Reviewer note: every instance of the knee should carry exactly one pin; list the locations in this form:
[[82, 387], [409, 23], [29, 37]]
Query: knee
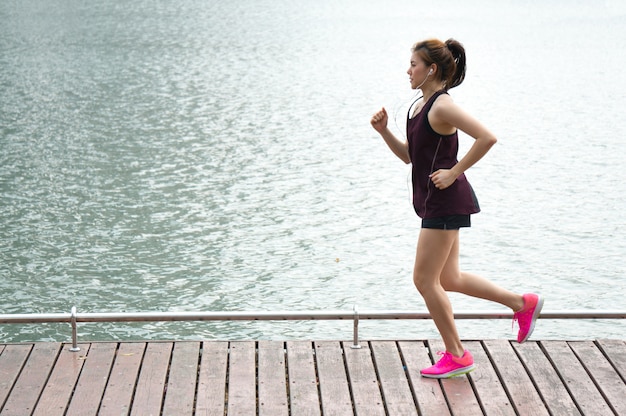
[[423, 284]]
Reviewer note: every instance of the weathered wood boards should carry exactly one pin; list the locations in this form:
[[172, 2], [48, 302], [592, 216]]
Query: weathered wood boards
[[310, 378]]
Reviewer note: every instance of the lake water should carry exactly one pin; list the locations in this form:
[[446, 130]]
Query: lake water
[[217, 156]]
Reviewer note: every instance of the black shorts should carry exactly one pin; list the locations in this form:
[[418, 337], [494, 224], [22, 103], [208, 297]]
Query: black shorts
[[449, 222]]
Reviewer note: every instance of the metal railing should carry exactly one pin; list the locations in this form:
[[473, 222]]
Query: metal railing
[[73, 318]]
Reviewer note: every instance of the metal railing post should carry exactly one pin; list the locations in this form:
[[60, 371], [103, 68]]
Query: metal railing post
[[355, 330], [75, 347]]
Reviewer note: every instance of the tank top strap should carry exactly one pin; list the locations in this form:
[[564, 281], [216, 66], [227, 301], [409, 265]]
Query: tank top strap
[[431, 101], [408, 113], [427, 106]]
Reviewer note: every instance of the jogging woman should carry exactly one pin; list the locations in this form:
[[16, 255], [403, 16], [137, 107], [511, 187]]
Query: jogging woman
[[444, 199]]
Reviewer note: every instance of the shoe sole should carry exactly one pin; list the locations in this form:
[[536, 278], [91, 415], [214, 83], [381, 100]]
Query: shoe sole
[[450, 374], [536, 313]]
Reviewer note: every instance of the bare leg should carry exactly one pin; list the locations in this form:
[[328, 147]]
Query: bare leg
[[434, 248], [453, 280]]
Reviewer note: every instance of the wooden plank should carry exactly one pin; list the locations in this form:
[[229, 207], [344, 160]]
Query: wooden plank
[[568, 377], [363, 381], [395, 387], [458, 390], [273, 398], [546, 379], [92, 381], [427, 391], [615, 350], [58, 391], [152, 376], [515, 378], [118, 393], [303, 392], [12, 360], [32, 379], [242, 378], [604, 375], [212, 379], [334, 391], [181, 384], [580, 385], [489, 390]]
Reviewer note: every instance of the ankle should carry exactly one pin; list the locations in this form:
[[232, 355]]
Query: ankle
[[455, 352], [519, 304]]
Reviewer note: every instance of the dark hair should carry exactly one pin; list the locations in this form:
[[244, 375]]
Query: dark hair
[[449, 56]]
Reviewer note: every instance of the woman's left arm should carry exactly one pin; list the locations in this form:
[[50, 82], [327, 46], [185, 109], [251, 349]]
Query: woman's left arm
[[447, 113]]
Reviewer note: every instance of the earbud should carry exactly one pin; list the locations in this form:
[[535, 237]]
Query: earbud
[[425, 79]]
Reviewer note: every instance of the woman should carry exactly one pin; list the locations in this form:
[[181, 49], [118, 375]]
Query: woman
[[444, 199]]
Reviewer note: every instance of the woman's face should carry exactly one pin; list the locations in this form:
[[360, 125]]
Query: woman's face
[[418, 71]]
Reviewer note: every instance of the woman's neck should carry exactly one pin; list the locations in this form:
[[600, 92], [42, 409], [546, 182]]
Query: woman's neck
[[429, 90]]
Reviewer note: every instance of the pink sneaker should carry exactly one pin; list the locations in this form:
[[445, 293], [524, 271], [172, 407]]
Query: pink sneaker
[[450, 366], [527, 316]]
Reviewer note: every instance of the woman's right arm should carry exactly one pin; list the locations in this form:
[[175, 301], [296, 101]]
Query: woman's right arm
[[399, 147]]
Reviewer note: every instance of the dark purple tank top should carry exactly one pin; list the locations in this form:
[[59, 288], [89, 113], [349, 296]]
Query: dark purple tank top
[[429, 152]]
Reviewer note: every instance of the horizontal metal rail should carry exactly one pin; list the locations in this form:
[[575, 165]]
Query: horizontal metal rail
[[73, 317], [283, 316]]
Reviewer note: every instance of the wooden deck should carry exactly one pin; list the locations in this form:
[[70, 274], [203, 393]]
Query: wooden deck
[[310, 378]]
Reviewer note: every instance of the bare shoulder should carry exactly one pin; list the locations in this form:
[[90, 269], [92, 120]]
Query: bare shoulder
[[442, 115], [444, 103], [447, 116]]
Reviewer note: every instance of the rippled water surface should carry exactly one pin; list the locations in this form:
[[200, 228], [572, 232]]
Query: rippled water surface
[[217, 156]]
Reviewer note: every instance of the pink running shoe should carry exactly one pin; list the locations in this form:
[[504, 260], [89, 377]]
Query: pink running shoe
[[450, 366], [527, 316]]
